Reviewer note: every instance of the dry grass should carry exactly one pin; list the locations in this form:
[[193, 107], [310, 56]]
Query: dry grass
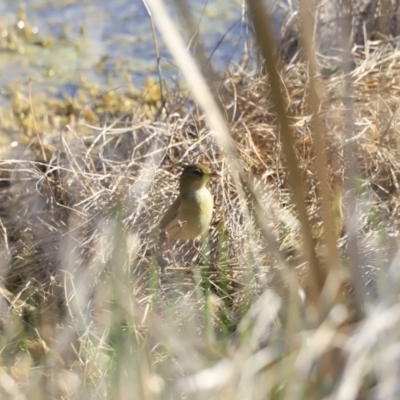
[[85, 311]]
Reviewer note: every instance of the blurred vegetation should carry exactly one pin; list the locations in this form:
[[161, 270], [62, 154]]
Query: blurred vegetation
[[272, 311]]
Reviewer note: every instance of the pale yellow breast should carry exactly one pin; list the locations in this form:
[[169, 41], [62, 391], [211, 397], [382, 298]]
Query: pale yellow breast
[[194, 216]]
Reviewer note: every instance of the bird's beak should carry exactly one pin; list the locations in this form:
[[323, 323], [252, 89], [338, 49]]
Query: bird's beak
[[215, 175]]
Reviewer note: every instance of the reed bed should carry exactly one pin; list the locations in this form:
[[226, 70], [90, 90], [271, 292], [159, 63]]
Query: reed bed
[[86, 311]]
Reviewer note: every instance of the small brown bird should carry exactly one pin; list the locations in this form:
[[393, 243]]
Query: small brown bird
[[189, 216]]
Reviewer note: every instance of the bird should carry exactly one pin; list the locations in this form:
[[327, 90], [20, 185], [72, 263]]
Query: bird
[[189, 216]]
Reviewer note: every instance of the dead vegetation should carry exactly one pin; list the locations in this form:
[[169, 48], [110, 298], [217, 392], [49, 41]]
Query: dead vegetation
[[82, 296]]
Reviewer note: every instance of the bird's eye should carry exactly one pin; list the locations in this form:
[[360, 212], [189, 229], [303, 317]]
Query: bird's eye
[[197, 172]]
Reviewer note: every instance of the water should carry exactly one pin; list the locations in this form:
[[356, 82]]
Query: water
[[117, 39]]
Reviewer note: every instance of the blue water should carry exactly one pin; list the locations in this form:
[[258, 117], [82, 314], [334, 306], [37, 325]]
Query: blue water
[[118, 30]]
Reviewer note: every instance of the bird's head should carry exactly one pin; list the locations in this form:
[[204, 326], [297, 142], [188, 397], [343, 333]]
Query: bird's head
[[195, 176]]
